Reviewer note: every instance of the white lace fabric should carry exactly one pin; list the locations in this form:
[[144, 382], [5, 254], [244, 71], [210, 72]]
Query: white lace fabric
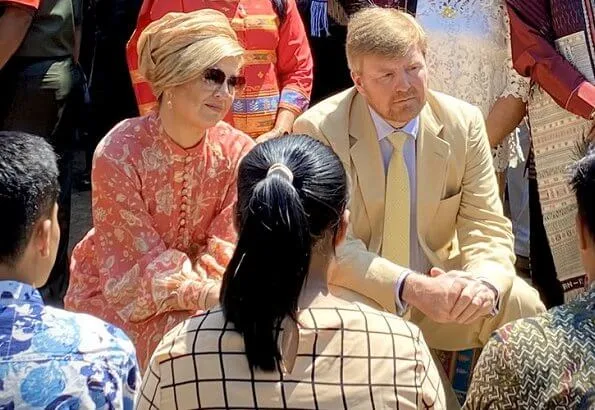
[[469, 58]]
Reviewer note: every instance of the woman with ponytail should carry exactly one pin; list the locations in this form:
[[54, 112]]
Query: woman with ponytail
[[280, 338]]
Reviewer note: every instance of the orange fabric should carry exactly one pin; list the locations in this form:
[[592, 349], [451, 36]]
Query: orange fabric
[[163, 229], [27, 3], [278, 63], [536, 57]]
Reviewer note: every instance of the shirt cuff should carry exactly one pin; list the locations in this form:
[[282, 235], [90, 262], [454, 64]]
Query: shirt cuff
[[582, 100], [293, 100], [400, 304], [496, 309]]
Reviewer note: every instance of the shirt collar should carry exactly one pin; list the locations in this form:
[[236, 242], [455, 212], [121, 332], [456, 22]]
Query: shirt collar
[[11, 291], [384, 129]]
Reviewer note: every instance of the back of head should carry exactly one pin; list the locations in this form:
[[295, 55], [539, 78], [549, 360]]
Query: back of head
[[178, 47], [28, 190], [383, 32], [292, 193]]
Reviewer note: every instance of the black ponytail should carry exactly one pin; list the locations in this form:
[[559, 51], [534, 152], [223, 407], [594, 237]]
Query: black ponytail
[[280, 216]]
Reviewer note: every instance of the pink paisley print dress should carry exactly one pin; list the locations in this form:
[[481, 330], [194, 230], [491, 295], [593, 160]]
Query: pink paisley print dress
[[163, 229]]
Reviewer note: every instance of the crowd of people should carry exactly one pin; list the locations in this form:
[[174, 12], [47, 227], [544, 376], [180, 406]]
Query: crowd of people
[[310, 210]]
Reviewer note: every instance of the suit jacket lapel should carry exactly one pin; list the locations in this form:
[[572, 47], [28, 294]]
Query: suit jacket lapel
[[367, 160], [432, 160]]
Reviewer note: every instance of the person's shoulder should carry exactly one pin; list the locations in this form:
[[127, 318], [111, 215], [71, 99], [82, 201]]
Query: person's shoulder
[[450, 103], [359, 316], [95, 335], [452, 111], [199, 333], [518, 338], [398, 326], [322, 109], [126, 136]]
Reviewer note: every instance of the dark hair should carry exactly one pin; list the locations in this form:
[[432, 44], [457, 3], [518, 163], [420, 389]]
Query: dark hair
[[279, 221], [28, 189], [583, 185], [280, 7]]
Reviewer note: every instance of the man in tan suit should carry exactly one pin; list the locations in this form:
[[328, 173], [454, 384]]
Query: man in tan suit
[[428, 238]]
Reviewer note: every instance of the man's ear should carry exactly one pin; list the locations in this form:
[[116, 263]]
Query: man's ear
[[42, 236], [583, 234], [357, 81]]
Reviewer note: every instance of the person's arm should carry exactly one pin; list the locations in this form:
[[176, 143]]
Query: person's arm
[[536, 57], [14, 24], [506, 114], [294, 71], [484, 233], [140, 276], [380, 280], [357, 268], [511, 107]]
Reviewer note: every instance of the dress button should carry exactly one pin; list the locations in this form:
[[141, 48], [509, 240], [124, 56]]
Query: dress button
[[186, 177], [183, 207], [184, 192], [182, 222], [183, 214], [184, 199]]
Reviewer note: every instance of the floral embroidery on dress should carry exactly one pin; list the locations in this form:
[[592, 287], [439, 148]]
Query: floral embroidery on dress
[[163, 227]]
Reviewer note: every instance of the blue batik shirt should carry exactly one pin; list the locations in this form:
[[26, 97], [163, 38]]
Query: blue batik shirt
[[54, 359]]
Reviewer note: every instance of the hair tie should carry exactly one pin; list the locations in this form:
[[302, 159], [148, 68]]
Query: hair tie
[[282, 169]]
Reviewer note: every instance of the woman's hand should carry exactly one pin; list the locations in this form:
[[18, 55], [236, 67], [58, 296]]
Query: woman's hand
[[283, 125], [274, 133]]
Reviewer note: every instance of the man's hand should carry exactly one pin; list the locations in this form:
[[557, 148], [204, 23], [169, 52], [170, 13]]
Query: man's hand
[[450, 297], [477, 300]]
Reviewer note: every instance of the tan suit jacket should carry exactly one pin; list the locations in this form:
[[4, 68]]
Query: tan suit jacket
[[459, 214]]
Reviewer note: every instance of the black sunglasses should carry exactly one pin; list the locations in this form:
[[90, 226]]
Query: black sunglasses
[[215, 77]]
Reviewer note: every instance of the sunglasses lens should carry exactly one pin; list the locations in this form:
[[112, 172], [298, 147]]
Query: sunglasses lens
[[214, 76], [237, 82]]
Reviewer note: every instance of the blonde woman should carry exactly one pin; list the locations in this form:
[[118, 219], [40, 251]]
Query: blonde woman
[[164, 186]]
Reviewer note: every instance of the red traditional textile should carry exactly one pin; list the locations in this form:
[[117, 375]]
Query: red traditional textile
[[278, 62], [34, 4], [533, 30]]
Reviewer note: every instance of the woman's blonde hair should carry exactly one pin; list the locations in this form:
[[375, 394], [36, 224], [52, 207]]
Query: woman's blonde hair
[[178, 47], [382, 32]]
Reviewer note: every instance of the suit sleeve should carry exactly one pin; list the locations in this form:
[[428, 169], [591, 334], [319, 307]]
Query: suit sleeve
[[536, 57], [484, 233], [357, 268]]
